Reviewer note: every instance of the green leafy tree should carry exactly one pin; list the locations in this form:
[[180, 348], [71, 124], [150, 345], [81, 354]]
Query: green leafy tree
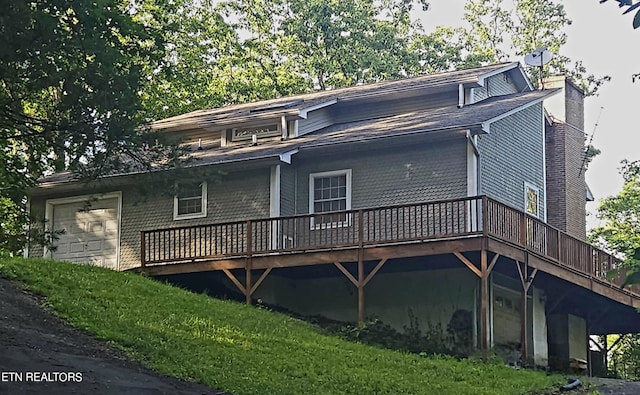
[[328, 44], [491, 23], [620, 231], [497, 31], [70, 74]]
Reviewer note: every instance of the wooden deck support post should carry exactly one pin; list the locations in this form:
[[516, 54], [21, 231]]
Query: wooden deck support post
[[360, 282], [249, 287], [483, 273], [525, 279], [484, 304], [247, 282]]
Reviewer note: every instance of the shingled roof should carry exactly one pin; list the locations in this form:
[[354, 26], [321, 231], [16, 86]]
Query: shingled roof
[[299, 104], [474, 117]]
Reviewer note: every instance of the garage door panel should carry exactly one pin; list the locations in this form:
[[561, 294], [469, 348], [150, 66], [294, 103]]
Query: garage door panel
[[76, 247], [96, 227], [93, 246], [90, 233]]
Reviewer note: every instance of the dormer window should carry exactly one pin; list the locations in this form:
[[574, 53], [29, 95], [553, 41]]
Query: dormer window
[[271, 130]]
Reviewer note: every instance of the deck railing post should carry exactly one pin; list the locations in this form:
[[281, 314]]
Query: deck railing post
[[249, 247], [360, 268], [143, 250], [248, 283], [558, 245], [523, 228], [484, 220], [360, 228]]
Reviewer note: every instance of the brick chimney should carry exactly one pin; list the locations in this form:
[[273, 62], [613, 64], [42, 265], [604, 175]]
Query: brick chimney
[[564, 143]]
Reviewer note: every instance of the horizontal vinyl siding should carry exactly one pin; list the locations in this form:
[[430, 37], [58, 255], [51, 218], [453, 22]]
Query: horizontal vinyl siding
[[511, 154], [494, 86], [234, 197], [411, 174], [316, 120]]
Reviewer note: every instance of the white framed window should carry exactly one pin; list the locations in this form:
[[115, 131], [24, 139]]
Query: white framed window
[[246, 133], [190, 201], [532, 200], [330, 192]]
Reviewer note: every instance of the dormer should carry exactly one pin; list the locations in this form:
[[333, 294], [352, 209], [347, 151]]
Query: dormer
[[255, 132], [502, 81]]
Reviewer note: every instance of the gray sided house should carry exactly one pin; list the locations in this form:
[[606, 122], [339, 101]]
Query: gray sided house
[[456, 199]]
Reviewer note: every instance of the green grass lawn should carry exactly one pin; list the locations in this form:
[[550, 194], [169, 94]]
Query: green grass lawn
[[242, 349]]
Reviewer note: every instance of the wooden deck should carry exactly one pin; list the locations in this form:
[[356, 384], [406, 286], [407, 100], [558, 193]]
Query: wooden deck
[[321, 238], [475, 226]]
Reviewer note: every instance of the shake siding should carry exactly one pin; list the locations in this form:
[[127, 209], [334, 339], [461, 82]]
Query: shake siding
[[235, 197], [511, 154], [494, 86], [409, 174], [287, 190], [38, 208]]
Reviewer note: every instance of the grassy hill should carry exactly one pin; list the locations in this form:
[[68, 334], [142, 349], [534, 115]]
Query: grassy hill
[[242, 349]]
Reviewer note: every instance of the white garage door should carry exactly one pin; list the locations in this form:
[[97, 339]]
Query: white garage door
[[90, 232], [506, 317]]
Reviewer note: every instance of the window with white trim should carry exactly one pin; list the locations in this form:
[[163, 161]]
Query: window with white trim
[[330, 192], [246, 133], [532, 200], [190, 201]]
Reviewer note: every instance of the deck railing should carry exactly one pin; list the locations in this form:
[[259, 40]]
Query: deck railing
[[473, 216]]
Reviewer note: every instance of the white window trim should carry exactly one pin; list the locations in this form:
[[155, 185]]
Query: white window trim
[[537, 190], [275, 133], [202, 214], [331, 225]]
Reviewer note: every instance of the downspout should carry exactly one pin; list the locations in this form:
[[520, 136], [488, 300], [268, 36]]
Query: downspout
[[460, 95]]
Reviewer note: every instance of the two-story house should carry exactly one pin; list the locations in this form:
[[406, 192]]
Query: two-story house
[[454, 197]]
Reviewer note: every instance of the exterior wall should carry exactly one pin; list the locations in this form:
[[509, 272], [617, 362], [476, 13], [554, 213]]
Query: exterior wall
[[567, 106], [494, 86], [565, 140], [287, 190], [234, 197], [316, 120], [363, 110], [506, 322], [567, 339], [566, 186], [432, 296], [577, 328], [37, 209], [539, 328], [422, 172], [512, 154]]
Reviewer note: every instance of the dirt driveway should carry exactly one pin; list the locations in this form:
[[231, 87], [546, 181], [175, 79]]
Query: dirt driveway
[[40, 354]]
